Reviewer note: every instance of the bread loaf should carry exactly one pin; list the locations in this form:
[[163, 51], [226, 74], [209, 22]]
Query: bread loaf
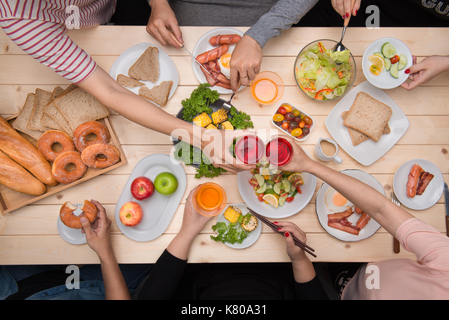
[[24, 153], [15, 177]]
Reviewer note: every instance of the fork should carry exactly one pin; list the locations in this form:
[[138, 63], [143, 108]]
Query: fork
[[396, 244]]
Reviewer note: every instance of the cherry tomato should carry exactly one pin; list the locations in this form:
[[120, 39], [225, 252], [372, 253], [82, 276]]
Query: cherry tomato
[[296, 112], [299, 190], [293, 125], [296, 132], [282, 110], [301, 124], [305, 131], [260, 197], [254, 171], [287, 107], [278, 117], [297, 119], [289, 199], [307, 120], [289, 116], [285, 125], [395, 59]]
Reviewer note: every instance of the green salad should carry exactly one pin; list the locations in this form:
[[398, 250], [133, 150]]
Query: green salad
[[323, 74]]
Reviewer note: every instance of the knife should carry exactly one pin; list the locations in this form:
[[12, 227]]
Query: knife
[[446, 200], [182, 46]]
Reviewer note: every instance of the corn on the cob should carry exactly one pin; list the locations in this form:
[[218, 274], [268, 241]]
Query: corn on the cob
[[202, 120], [232, 214], [219, 116], [250, 224], [226, 126], [211, 126]]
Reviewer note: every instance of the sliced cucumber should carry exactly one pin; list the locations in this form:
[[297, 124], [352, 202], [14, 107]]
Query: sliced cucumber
[[394, 70], [402, 62], [379, 54], [388, 50], [262, 189], [282, 200], [387, 64]]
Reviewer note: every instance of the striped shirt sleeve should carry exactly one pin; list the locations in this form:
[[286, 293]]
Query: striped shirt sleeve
[[47, 43]]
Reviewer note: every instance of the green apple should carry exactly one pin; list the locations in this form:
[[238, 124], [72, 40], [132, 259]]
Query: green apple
[[166, 183]]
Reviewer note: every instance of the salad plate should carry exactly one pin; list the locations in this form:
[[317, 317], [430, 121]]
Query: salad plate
[[385, 80], [203, 45], [433, 191], [252, 236], [158, 210], [167, 68], [368, 151], [322, 210]]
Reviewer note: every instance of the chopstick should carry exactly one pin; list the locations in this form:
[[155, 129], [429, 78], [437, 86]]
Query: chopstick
[[298, 242]]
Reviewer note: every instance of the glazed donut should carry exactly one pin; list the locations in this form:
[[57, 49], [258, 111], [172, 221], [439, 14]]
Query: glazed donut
[[100, 155], [90, 127], [73, 221], [51, 137], [60, 172]]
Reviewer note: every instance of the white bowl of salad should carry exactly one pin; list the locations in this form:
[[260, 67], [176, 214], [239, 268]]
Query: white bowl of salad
[[323, 75]]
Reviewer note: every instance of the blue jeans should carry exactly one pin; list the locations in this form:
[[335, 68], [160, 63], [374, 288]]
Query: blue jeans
[[91, 285]]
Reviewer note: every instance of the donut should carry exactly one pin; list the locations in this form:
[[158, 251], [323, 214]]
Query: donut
[[60, 171], [49, 139], [73, 221], [90, 127], [100, 155]]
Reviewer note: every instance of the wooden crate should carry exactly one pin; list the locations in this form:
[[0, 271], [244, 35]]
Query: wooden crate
[[11, 200]]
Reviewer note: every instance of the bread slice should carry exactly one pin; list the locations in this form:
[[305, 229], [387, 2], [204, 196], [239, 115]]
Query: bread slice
[[21, 122], [41, 99], [147, 66], [358, 137], [158, 94], [46, 121], [78, 106], [53, 112], [368, 116], [128, 82]]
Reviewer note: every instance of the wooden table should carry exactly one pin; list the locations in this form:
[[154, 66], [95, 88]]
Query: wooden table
[[29, 235]]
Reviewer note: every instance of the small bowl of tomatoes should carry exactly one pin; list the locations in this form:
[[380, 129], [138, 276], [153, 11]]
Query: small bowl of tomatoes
[[293, 121]]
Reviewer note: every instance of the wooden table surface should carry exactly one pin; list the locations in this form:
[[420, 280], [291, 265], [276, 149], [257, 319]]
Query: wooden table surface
[[29, 235]]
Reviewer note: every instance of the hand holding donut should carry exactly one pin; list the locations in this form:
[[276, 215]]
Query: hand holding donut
[[98, 234]]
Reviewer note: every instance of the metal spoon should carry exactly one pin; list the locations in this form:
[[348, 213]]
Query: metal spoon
[[339, 46]]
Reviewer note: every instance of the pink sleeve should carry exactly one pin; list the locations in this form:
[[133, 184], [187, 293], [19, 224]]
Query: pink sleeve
[[430, 246], [47, 43]]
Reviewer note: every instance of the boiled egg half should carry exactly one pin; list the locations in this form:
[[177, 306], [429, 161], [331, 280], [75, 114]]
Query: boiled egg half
[[335, 202], [225, 62]]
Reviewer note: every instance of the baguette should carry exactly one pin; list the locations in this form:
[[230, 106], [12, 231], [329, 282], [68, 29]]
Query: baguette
[[15, 177], [24, 153]]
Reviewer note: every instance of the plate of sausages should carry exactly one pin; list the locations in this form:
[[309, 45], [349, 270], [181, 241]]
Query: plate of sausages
[[214, 50], [418, 184]]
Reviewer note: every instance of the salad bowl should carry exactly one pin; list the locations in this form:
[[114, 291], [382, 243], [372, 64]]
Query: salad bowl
[[323, 75]]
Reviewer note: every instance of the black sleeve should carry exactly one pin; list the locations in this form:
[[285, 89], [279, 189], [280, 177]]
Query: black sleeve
[[163, 279], [312, 290]]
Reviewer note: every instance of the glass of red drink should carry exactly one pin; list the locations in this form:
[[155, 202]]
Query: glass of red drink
[[279, 152], [249, 149]]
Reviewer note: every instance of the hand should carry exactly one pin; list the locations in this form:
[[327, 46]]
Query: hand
[[300, 160], [343, 7], [98, 234], [425, 71], [245, 62], [294, 252], [218, 149], [161, 20], [192, 222]]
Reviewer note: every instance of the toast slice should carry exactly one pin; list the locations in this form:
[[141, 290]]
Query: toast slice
[[128, 82], [78, 107], [53, 112], [368, 116], [41, 99], [358, 137], [21, 122], [46, 121], [158, 94], [147, 66]]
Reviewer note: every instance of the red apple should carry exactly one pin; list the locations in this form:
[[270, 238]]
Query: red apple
[[142, 188], [131, 214]]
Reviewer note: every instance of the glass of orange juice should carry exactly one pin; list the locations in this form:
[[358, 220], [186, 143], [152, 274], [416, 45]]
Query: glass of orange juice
[[209, 199], [267, 87]]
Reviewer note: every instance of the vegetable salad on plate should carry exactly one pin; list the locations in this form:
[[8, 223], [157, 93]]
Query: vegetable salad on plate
[[323, 74]]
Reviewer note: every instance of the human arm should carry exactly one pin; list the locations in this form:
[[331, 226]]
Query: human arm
[[425, 71], [373, 203], [99, 240]]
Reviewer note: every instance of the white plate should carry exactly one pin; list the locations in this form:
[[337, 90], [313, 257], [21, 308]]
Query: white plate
[[73, 236], [368, 151], [384, 80], [433, 191], [252, 236], [322, 211], [158, 210], [203, 45], [267, 210], [167, 68]]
